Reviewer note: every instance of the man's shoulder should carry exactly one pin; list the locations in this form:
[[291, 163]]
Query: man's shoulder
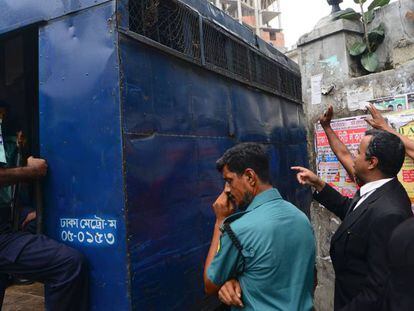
[[394, 200], [271, 213]]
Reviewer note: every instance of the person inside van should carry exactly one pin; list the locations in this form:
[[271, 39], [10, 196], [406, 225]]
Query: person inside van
[[30, 256]]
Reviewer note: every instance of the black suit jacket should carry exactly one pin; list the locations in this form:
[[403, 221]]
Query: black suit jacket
[[399, 293], [359, 246]]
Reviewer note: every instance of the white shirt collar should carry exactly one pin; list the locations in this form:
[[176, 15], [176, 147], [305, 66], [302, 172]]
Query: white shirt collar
[[367, 189], [373, 185]]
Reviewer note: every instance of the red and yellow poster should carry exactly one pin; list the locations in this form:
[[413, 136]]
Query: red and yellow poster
[[350, 131]]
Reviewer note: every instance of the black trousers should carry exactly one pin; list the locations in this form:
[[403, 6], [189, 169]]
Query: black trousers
[[61, 268]]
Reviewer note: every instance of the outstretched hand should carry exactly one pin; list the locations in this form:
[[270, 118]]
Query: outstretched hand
[[307, 177], [377, 121], [326, 118]]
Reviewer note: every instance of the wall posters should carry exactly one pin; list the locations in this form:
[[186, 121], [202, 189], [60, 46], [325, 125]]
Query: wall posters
[[358, 99], [351, 130]]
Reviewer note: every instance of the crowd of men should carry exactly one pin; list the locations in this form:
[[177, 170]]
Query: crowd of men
[[262, 254], [262, 251]]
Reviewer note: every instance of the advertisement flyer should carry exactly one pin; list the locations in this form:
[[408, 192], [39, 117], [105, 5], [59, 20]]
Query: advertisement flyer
[[358, 100], [350, 131], [395, 103], [404, 124]]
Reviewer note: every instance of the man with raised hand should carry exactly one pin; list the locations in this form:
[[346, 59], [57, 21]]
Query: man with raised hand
[[359, 246]]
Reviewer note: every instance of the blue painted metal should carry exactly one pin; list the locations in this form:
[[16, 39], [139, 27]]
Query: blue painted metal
[[17, 14], [80, 137], [178, 119], [131, 135], [170, 186]]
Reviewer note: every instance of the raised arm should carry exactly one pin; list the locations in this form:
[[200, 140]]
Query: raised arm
[[35, 168], [337, 146], [222, 208], [378, 122]]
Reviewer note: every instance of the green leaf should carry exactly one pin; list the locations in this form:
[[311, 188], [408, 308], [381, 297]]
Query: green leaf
[[377, 4], [360, 1], [357, 48], [369, 16], [370, 62], [377, 35], [349, 14]]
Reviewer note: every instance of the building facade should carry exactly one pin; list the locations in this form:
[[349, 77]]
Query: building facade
[[262, 16]]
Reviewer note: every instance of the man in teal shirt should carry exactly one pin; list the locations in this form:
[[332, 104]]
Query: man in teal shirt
[[264, 259]]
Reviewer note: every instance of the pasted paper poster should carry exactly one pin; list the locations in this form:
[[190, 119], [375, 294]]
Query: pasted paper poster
[[393, 103], [316, 82], [359, 99], [350, 131], [403, 122]]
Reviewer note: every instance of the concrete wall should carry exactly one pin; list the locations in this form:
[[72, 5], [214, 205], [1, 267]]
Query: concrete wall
[[325, 51]]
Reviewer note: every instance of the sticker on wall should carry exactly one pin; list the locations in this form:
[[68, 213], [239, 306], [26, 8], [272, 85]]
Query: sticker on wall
[[358, 99], [91, 231], [316, 82], [393, 103]]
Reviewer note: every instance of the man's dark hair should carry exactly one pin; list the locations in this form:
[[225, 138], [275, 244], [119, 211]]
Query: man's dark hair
[[243, 156], [388, 149]]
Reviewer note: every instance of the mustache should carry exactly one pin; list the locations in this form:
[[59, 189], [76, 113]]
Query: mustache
[[231, 198]]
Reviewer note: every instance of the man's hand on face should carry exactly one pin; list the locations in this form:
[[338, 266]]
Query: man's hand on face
[[39, 166], [222, 207], [307, 177], [230, 294], [326, 118]]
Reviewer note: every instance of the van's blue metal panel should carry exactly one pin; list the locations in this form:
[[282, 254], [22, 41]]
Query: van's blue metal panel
[[15, 14], [171, 183], [80, 135], [181, 105], [171, 145]]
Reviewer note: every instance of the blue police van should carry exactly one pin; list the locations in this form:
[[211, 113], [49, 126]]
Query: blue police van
[[131, 102]]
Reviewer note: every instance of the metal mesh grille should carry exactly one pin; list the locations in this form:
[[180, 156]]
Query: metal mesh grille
[[176, 26], [215, 47], [167, 22], [269, 73], [224, 52]]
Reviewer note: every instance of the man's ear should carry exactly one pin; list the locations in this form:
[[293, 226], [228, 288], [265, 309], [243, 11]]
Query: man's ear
[[251, 177], [373, 163]]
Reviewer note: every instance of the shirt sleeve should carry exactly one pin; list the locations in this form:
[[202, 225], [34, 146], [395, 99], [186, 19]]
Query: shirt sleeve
[[225, 264]]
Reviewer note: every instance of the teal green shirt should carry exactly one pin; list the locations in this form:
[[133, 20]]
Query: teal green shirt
[[279, 247]]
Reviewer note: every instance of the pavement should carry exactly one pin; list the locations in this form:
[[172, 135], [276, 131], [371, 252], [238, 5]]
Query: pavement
[[24, 298]]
